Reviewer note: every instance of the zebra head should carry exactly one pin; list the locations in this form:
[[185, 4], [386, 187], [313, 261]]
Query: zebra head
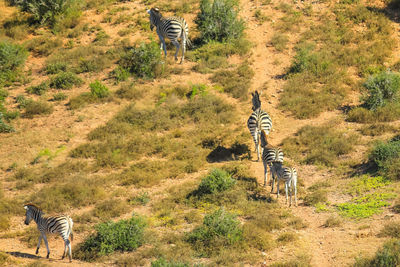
[[31, 212], [256, 100], [155, 16]]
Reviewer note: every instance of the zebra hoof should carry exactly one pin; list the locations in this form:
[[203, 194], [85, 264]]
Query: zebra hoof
[[47, 256], [37, 251]]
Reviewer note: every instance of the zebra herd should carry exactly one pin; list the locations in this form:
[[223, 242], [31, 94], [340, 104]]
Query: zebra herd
[[260, 124]]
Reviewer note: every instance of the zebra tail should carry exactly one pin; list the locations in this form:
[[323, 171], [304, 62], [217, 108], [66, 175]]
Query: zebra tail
[[188, 42], [71, 223]]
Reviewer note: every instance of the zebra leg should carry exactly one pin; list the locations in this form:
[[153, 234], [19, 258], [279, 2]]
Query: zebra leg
[[38, 246], [183, 48], [176, 44], [67, 244], [277, 189], [295, 193], [162, 40], [273, 177], [47, 246], [286, 191], [265, 173]]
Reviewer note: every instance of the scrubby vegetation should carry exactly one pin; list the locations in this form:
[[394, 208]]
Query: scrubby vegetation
[[124, 235], [388, 255]]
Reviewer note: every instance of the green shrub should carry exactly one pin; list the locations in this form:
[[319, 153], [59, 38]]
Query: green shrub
[[124, 235], [219, 229], [33, 108], [98, 89], [5, 128], [12, 56], [218, 21], [38, 89], [377, 129], [43, 11], [59, 97], [129, 91], [65, 80], [216, 181], [143, 61], [389, 255], [54, 68], [381, 89], [384, 152]]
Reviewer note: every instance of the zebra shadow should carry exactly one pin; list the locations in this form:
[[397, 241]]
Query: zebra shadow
[[23, 255], [236, 152]]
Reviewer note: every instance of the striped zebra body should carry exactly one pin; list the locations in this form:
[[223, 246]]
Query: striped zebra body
[[172, 28], [270, 155], [259, 121], [289, 176], [61, 224]]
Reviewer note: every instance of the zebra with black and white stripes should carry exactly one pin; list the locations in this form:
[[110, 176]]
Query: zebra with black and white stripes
[[60, 224], [259, 120], [269, 155], [173, 28], [289, 176]]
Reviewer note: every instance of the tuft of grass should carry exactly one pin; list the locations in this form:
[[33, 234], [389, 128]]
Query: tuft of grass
[[98, 89], [161, 262], [287, 237], [391, 229], [377, 129], [43, 46], [59, 96], [129, 91], [332, 221], [318, 196], [38, 89], [235, 82], [110, 209], [65, 81], [279, 41], [319, 144], [33, 108]]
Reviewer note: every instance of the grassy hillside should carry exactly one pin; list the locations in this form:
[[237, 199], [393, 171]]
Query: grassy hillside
[[153, 160]]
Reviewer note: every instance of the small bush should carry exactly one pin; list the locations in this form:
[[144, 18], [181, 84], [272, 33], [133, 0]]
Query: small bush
[[217, 181], [43, 11], [33, 108], [381, 89], [332, 221], [219, 229], [124, 235], [129, 91], [318, 196], [5, 128], [59, 97], [386, 156], [54, 68], [98, 89], [391, 230], [38, 89], [279, 41], [143, 61], [12, 56], [65, 81], [287, 237], [389, 255], [377, 129], [218, 21]]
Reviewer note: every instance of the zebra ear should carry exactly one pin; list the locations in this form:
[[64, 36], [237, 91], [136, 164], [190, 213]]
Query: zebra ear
[[26, 207]]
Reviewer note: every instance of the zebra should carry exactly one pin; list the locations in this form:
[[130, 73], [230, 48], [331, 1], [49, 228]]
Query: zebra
[[269, 155], [171, 27], [60, 224], [259, 120], [289, 176]]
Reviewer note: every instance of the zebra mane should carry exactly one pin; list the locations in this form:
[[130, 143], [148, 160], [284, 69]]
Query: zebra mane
[[263, 139], [33, 206], [256, 100]]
